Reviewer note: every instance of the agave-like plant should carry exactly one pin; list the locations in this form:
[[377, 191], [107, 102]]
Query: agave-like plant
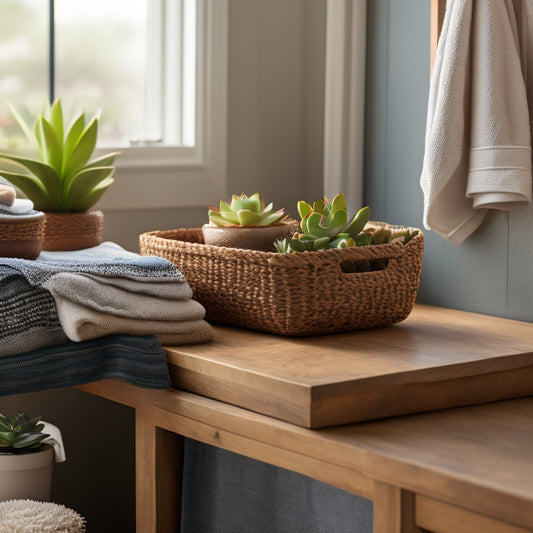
[[20, 434], [325, 225], [245, 211], [64, 180]]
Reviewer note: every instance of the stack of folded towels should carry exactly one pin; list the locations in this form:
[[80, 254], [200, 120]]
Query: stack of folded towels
[[92, 293]]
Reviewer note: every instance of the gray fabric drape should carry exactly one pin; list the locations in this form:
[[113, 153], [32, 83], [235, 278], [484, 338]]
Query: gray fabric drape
[[224, 492]]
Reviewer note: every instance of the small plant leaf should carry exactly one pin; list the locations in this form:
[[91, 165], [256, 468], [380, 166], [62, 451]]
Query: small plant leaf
[[82, 204], [56, 120], [24, 126], [52, 146], [303, 208], [103, 161], [84, 182], [82, 150], [32, 188], [48, 177], [358, 222], [71, 140], [363, 239]]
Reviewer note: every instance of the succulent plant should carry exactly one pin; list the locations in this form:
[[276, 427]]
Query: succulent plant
[[245, 211], [20, 434], [63, 180], [325, 225], [383, 233]]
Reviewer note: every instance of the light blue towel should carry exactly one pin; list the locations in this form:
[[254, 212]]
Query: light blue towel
[[107, 259]]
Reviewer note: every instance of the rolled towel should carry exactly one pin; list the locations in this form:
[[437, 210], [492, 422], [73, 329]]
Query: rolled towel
[[20, 206], [7, 195]]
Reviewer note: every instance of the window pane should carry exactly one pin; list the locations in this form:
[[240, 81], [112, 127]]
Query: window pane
[[101, 49], [23, 64]]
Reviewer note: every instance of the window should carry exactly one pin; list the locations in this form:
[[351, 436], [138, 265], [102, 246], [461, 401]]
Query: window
[[155, 68]]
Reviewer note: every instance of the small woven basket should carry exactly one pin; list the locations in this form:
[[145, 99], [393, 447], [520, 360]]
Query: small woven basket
[[73, 231], [306, 293], [21, 236]]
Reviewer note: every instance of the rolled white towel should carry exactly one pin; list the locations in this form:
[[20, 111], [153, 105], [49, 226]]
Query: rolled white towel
[[20, 206]]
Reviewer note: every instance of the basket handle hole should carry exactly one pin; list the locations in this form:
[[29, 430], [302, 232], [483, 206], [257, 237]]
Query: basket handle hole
[[364, 265]]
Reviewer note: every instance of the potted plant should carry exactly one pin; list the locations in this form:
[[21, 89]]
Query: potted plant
[[326, 225], [26, 457], [64, 183], [247, 223]]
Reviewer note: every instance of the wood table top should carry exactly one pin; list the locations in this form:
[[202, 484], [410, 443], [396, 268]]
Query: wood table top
[[436, 358]]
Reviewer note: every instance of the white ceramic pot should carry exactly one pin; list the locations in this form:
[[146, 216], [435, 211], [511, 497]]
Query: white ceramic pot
[[26, 476]]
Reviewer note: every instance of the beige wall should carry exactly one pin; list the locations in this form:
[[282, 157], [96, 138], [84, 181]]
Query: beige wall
[[275, 124], [275, 113]]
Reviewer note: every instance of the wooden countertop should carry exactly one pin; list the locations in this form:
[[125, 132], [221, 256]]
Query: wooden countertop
[[436, 358]]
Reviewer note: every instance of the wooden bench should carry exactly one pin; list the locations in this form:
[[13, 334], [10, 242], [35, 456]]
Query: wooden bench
[[462, 469]]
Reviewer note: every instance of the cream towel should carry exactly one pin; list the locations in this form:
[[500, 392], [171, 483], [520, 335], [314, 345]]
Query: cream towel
[[82, 323], [478, 146]]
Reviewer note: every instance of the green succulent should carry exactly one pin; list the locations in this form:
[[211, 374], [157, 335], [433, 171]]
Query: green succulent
[[21, 434], [383, 234], [63, 180], [245, 211], [325, 225]]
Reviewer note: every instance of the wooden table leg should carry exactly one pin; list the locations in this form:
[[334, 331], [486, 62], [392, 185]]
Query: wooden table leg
[[159, 464], [394, 510]]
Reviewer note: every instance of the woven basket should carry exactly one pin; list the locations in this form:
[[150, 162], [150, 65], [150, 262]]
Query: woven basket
[[21, 236], [73, 231], [306, 293]]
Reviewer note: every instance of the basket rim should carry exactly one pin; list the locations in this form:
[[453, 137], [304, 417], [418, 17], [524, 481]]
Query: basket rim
[[391, 250]]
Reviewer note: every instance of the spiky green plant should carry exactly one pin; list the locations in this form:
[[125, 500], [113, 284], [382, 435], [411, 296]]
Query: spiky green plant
[[245, 211], [20, 434], [325, 225], [63, 180]]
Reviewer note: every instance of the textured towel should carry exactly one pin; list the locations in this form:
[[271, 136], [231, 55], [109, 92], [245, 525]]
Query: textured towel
[[28, 316], [107, 259], [137, 360], [107, 290], [478, 147], [113, 298], [80, 322]]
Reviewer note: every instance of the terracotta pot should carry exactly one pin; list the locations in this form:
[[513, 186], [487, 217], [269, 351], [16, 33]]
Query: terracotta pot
[[26, 476], [21, 235], [248, 237], [72, 231]]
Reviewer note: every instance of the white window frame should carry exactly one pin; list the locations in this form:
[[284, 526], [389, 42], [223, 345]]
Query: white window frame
[[344, 114], [175, 176]]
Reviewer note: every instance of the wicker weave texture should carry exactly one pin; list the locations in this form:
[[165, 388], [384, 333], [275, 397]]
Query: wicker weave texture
[[295, 294], [73, 231], [15, 230]]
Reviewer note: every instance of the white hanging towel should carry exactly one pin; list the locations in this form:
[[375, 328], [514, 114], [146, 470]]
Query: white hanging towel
[[478, 142]]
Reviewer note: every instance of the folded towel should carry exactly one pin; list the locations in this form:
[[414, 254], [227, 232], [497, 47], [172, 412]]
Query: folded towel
[[107, 259], [81, 322], [478, 147], [28, 316], [136, 360], [95, 292], [158, 287], [114, 299]]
